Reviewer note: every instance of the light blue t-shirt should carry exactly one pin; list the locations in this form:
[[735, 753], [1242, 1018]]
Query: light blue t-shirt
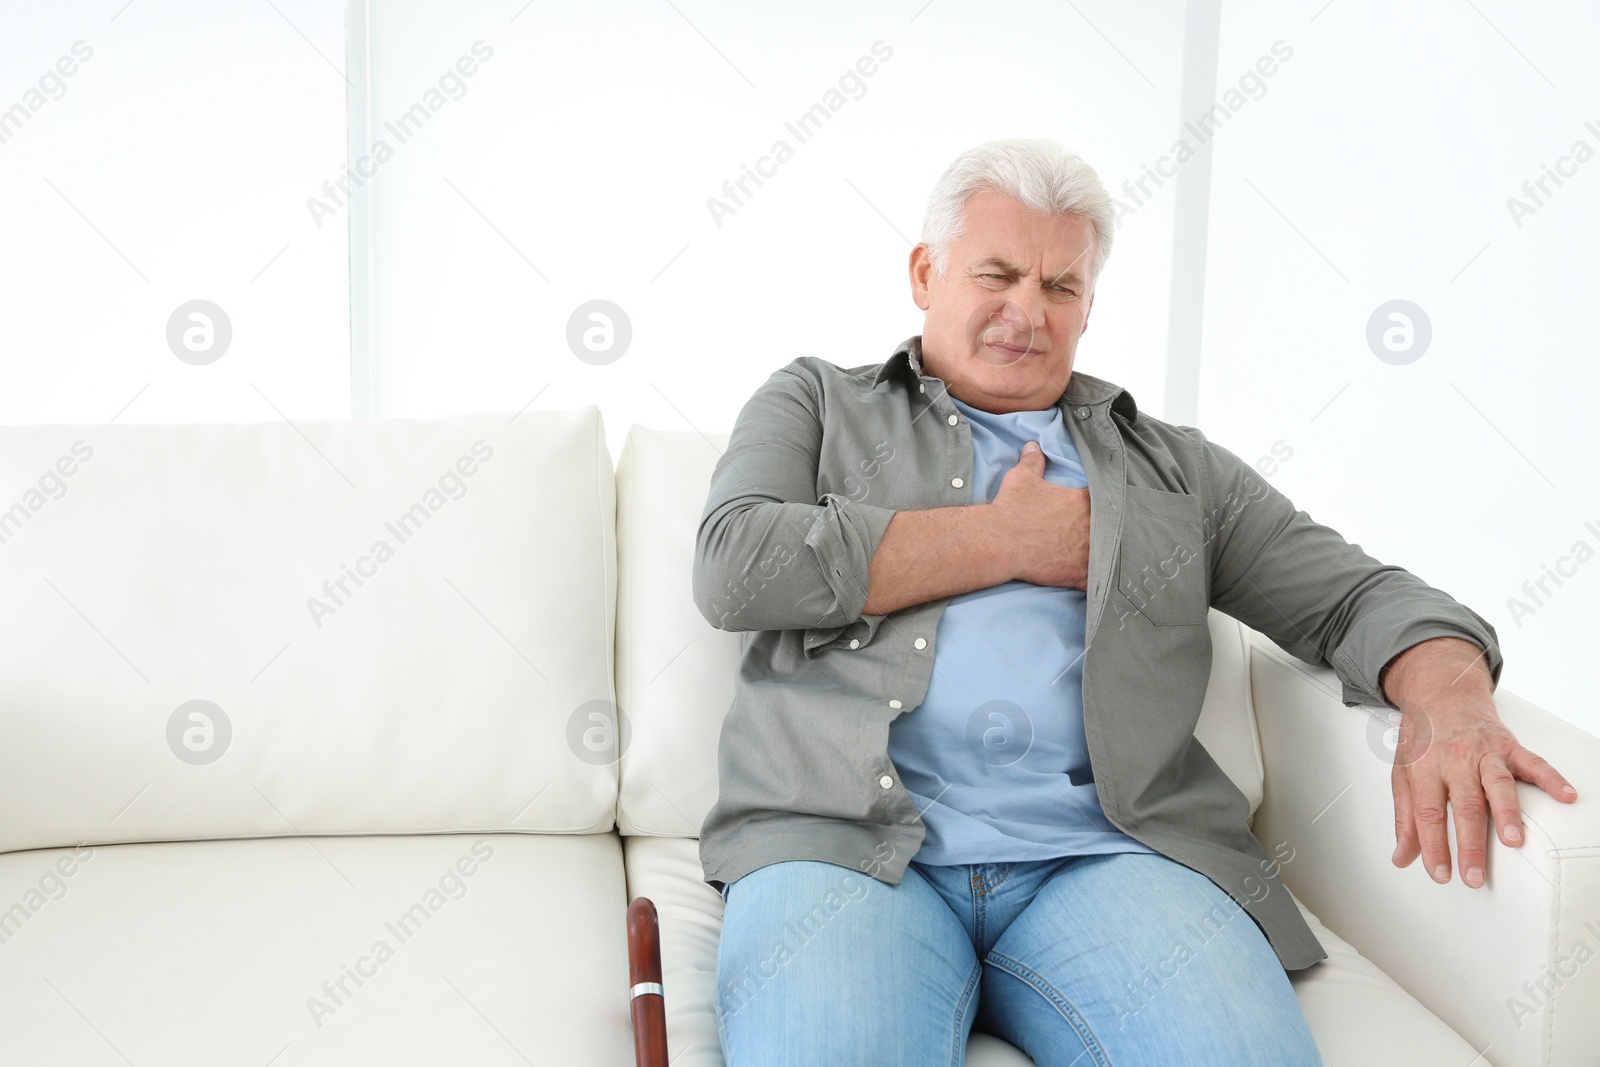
[[995, 757]]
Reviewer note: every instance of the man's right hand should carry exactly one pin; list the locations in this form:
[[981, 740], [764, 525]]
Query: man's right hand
[[1046, 526]]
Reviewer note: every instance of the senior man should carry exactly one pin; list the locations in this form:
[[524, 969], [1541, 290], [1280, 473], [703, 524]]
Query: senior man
[[958, 784]]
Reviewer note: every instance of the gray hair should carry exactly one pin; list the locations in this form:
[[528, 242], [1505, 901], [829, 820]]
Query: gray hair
[[1040, 173]]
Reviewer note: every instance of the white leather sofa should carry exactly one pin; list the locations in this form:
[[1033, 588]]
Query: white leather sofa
[[397, 831]]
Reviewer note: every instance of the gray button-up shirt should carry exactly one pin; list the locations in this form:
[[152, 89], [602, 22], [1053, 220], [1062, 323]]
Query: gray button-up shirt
[[820, 459]]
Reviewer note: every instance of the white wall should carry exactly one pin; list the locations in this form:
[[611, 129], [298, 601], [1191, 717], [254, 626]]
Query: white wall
[[1377, 166], [578, 163], [171, 165]]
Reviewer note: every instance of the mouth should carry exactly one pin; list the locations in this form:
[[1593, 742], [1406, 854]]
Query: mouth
[[1013, 352]]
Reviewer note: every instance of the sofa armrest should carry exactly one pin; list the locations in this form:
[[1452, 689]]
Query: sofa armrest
[[1511, 966]]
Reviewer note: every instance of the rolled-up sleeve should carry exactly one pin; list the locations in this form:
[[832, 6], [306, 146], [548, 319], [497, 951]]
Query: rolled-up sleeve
[[770, 554], [1319, 597]]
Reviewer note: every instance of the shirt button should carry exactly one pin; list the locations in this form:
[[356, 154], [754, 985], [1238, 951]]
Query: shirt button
[[894, 704], [886, 782], [921, 642], [1083, 413], [957, 482], [923, 388], [952, 420], [855, 642]]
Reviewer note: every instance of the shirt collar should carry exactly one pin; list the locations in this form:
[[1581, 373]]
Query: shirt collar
[[1082, 389]]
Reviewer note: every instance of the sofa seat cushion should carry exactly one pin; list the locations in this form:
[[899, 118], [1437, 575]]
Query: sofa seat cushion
[[469, 948], [1357, 1013]]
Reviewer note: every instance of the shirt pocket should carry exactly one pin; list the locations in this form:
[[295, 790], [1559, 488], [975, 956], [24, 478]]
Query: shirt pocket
[[1161, 562]]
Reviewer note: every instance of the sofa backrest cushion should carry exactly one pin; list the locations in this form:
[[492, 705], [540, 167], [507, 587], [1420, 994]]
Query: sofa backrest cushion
[[341, 627], [675, 671]]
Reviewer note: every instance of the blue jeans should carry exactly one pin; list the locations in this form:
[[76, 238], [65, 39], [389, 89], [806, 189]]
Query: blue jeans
[[1121, 959]]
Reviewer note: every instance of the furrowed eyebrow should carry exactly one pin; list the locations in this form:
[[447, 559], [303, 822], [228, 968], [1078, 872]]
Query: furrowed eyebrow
[[1005, 267]]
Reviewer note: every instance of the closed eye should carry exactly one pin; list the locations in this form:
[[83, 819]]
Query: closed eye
[[1057, 288]]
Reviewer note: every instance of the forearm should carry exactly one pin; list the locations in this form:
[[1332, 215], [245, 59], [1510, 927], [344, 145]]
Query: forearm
[[785, 566], [939, 552], [1436, 673]]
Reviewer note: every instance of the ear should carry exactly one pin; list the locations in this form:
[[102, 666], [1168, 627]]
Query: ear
[[921, 272]]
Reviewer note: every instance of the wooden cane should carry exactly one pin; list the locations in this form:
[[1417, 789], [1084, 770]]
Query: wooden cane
[[646, 996]]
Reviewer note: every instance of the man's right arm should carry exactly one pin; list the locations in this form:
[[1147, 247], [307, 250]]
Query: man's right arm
[[1034, 530], [770, 555]]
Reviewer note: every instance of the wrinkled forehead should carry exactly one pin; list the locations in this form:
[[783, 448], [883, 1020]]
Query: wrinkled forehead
[[1000, 234]]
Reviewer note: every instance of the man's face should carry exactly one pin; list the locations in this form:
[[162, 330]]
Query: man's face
[[1003, 323]]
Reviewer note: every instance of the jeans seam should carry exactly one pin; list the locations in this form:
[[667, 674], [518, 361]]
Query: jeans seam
[[1031, 978], [958, 1044], [979, 915]]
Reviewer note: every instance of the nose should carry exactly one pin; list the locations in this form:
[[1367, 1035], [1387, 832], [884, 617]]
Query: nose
[[1022, 319]]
